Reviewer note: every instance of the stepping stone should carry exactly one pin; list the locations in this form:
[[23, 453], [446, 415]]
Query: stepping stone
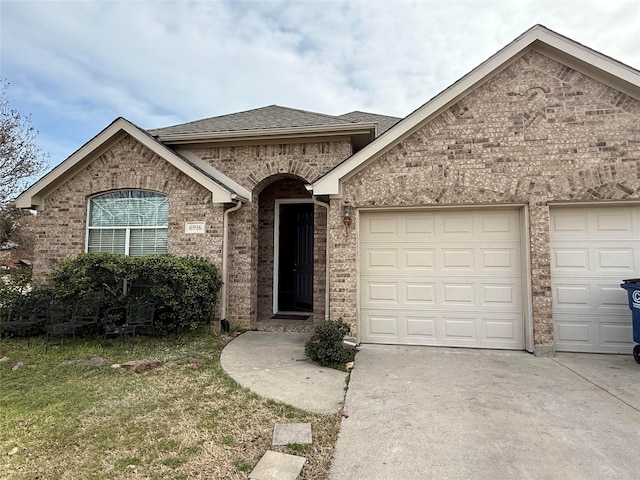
[[278, 466], [286, 433]]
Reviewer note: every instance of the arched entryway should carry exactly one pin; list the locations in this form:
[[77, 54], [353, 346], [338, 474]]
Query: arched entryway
[[291, 253]]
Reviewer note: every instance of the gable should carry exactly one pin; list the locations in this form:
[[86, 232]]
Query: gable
[[537, 130], [574, 57], [120, 128]]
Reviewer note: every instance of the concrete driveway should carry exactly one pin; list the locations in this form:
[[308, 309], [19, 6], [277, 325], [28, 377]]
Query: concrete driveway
[[420, 413]]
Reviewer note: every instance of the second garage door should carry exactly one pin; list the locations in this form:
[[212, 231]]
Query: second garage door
[[592, 250], [441, 277]]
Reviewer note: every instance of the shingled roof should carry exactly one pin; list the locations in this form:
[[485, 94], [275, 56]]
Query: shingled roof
[[270, 117], [384, 122]]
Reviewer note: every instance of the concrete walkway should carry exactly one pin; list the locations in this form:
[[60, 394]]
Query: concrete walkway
[[274, 365], [438, 413]]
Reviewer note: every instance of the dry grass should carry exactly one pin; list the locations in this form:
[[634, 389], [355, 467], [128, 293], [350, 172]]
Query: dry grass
[[62, 416]]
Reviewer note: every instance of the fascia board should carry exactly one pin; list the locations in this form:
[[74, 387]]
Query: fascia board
[[271, 133], [217, 174], [26, 198], [329, 184], [220, 194], [31, 196]]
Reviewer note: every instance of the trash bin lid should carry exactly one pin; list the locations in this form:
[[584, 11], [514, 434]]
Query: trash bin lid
[[632, 280]]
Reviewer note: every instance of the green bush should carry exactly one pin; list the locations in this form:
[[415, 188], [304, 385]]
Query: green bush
[[326, 347], [14, 285], [184, 289]]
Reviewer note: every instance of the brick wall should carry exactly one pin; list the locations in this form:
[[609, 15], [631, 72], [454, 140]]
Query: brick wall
[[538, 132], [61, 224], [256, 167]]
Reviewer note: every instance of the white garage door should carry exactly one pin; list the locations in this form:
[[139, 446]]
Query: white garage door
[[447, 277], [592, 250]]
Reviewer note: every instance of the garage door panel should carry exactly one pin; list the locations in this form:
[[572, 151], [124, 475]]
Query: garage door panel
[[616, 334], [569, 223], [420, 293], [383, 292], [419, 225], [382, 259], [572, 295], [500, 330], [457, 259], [499, 295], [592, 250], [383, 326], [618, 259], [565, 258], [459, 328], [499, 224], [456, 224], [611, 296], [421, 327], [493, 258], [572, 331], [454, 272], [419, 258], [619, 223], [457, 294]]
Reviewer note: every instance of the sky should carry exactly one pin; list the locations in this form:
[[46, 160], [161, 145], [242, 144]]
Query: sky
[[75, 66]]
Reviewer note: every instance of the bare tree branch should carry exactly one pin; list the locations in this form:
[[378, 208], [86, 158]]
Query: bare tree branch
[[20, 156]]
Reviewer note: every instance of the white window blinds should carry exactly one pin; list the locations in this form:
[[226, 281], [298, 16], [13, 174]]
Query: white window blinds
[[129, 222]]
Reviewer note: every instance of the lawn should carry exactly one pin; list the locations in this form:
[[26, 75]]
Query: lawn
[[67, 412]]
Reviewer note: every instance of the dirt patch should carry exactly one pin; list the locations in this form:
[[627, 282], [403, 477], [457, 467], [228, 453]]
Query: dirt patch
[[194, 362], [141, 366]]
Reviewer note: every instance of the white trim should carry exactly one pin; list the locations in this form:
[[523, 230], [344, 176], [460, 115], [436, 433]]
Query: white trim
[[267, 133], [610, 71], [527, 288], [217, 174], [276, 246], [31, 197]]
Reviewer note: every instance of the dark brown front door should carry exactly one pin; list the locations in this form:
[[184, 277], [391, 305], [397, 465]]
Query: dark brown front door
[[295, 269]]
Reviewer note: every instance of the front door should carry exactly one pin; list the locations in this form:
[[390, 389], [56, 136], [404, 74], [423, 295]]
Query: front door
[[295, 257]]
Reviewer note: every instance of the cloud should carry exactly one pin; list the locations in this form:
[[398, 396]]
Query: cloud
[[78, 65]]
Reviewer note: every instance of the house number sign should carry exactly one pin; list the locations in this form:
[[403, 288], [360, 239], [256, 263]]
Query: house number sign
[[194, 227]]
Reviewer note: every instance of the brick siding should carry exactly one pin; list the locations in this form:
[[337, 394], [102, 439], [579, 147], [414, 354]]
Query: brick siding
[[61, 224], [536, 133]]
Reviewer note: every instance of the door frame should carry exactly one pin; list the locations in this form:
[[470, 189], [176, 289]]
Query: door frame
[[276, 246]]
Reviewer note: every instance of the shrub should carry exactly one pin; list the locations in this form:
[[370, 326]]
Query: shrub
[[184, 289], [13, 285], [326, 347]]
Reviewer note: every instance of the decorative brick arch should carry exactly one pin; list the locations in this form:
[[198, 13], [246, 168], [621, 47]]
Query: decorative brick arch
[[285, 167]]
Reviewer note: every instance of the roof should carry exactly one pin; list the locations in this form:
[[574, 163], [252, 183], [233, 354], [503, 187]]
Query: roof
[[216, 184], [266, 122], [275, 121], [384, 122], [272, 116], [607, 70]]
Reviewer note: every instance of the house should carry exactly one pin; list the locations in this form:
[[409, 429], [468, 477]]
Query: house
[[503, 213]]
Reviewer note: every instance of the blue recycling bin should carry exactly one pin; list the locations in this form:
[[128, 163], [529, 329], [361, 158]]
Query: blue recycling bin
[[632, 286]]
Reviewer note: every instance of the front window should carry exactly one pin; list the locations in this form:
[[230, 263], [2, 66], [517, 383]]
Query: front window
[[129, 222]]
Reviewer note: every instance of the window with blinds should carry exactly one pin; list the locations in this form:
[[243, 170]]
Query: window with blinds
[[129, 222]]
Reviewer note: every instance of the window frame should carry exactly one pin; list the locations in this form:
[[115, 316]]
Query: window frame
[[128, 228]]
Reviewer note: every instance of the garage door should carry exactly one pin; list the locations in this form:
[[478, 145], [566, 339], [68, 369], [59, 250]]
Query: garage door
[[441, 277], [592, 250]]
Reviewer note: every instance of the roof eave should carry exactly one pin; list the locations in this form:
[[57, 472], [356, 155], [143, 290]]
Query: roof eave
[[32, 197], [271, 133]]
